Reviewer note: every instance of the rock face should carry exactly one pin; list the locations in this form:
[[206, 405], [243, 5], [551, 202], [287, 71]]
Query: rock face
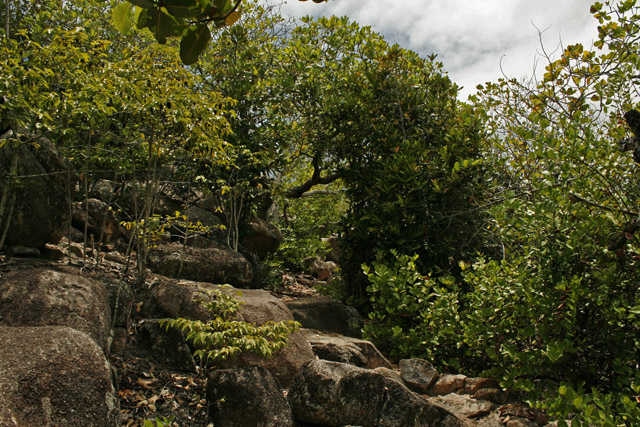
[[334, 394], [247, 397], [101, 220], [213, 265], [47, 296], [339, 348], [476, 412], [418, 374], [327, 315], [322, 270], [260, 307], [262, 238], [54, 376], [41, 213], [168, 347], [172, 299]]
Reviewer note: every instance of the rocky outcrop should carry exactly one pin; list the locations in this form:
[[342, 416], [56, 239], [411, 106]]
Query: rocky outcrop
[[48, 296], [101, 223], [54, 376], [340, 348], [261, 237], [260, 307], [165, 346], [41, 211], [178, 298], [418, 374], [334, 394], [247, 397], [213, 265], [322, 270], [327, 315]]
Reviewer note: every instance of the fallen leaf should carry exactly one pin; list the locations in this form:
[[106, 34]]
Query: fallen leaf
[[146, 383]]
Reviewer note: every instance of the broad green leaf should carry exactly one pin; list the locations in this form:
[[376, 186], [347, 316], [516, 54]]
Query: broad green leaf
[[183, 8], [193, 43], [121, 17], [146, 4], [160, 24]]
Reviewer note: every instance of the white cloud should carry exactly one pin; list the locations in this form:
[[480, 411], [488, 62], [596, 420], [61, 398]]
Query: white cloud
[[470, 37]]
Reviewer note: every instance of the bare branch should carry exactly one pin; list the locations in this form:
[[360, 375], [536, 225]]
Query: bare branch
[[316, 178]]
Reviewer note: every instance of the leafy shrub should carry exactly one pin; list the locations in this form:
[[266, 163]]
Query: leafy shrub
[[308, 221], [595, 408], [222, 337], [413, 315]]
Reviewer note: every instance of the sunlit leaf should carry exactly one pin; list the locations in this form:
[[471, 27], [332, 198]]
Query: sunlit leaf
[[121, 17]]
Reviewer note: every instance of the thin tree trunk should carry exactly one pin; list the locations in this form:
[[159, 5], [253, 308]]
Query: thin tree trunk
[[9, 191], [7, 30]]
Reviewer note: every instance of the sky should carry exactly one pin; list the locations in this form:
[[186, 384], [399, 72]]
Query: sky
[[476, 40]]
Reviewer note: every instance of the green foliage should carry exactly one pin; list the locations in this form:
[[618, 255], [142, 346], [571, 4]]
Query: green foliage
[[222, 336], [150, 231], [188, 20], [594, 408], [413, 315], [560, 305]]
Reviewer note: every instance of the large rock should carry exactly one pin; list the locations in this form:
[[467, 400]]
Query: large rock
[[327, 315], [260, 307], [101, 222], [334, 394], [261, 237], [41, 212], [476, 413], [48, 296], [167, 346], [247, 397], [172, 299], [336, 347], [54, 376], [213, 265], [313, 395], [418, 374]]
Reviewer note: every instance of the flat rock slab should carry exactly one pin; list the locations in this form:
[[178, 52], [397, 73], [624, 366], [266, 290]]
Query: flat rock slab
[[54, 376], [212, 265], [374, 359], [327, 315], [474, 412]]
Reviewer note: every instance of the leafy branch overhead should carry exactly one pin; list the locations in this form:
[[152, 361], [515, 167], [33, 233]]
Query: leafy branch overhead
[[188, 20]]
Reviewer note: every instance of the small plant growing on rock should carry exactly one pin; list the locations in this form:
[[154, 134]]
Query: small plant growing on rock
[[223, 336]]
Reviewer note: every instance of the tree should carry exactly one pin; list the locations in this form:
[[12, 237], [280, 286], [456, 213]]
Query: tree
[[188, 20], [562, 302], [132, 112], [388, 124]]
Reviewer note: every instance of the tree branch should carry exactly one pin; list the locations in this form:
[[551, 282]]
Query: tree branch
[[316, 178]]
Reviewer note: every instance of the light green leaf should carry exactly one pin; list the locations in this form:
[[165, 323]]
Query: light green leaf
[[121, 17]]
